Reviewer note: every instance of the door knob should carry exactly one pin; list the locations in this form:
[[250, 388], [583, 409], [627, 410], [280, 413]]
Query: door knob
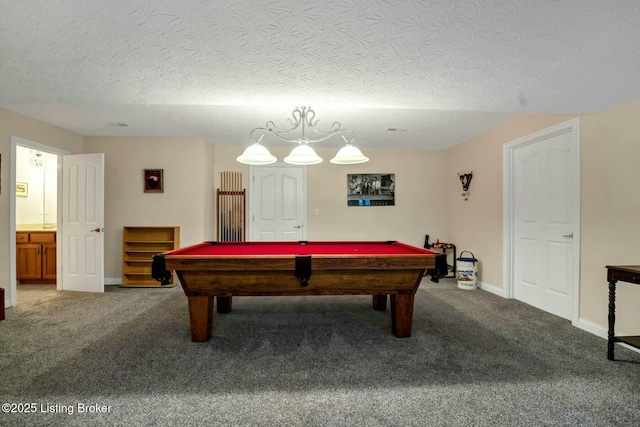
[[95, 230], [568, 235]]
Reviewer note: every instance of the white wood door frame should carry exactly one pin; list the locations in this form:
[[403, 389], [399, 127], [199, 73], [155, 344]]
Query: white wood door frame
[[508, 210], [252, 192], [15, 141]]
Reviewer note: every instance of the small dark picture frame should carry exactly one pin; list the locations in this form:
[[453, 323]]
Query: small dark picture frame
[[153, 181]]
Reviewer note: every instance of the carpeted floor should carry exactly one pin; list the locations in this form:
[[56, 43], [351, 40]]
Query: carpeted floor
[[29, 292], [125, 358]]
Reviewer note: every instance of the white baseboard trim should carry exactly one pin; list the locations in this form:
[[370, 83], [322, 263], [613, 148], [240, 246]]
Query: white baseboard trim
[[601, 332], [490, 288], [585, 325], [591, 327], [108, 281]]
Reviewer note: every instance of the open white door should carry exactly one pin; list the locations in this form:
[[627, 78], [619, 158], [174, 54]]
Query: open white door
[[82, 222]]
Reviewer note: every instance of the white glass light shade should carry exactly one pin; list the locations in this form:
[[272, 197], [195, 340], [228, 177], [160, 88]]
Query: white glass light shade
[[303, 155], [349, 155], [256, 154]]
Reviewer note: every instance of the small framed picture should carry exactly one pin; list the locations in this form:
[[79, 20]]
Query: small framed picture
[[153, 181], [22, 189]]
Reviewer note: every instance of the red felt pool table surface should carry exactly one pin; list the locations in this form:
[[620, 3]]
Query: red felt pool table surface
[[299, 248], [222, 270]]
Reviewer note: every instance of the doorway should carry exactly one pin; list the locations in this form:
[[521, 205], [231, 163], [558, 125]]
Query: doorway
[[80, 196], [542, 219], [36, 223], [35, 199]]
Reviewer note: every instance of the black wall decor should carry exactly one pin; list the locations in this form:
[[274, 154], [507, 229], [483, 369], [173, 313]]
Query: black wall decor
[[465, 180]]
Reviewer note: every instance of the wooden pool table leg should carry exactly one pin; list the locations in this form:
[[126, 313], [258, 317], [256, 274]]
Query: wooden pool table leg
[[200, 317], [401, 314], [379, 302], [223, 304]]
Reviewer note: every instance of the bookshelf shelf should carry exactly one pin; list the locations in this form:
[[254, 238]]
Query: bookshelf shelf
[[139, 244]]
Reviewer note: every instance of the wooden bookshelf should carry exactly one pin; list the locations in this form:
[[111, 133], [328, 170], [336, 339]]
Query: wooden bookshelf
[[139, 245]]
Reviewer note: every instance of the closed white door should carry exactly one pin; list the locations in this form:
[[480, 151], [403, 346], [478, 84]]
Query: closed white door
[[545, 211], [82, 243], [278, 203]]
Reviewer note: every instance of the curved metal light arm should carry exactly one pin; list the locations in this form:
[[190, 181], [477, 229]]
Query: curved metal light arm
[[302, 117]]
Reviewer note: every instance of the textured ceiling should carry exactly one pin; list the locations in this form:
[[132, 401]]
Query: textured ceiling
[[445, 70]]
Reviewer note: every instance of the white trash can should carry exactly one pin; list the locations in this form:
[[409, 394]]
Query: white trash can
[[466, 271]]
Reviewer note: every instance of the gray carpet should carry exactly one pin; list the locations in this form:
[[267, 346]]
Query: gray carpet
[[474, 359]]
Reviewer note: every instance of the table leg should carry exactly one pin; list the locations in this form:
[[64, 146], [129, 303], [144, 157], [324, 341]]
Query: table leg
[[200, 317], [612, 319], [380, 302], [455, 256], [1, 303], [224, 304], [401, 314]]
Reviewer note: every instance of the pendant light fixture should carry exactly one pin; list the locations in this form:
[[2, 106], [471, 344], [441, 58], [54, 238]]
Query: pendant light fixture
[[257, 154], [302, 154], [349, 155]]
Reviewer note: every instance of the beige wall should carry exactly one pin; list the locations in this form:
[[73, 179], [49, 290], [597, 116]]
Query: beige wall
[[610, 156], [14, 124], [187, 201], [191, 171], [419, 192], [610, 205], [476, 224], [417, 210]]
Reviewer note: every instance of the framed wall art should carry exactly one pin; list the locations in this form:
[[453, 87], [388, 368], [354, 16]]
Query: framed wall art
[[153, 181], [371, 189], [22, 189]]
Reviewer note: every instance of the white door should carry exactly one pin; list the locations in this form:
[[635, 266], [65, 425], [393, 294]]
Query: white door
[[82, 246], [545, 222], [278, 203]]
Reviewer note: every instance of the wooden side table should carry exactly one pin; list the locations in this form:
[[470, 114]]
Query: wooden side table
[[625, 273]]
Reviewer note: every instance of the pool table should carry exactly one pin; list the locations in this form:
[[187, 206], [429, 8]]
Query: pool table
[[222, 270]]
